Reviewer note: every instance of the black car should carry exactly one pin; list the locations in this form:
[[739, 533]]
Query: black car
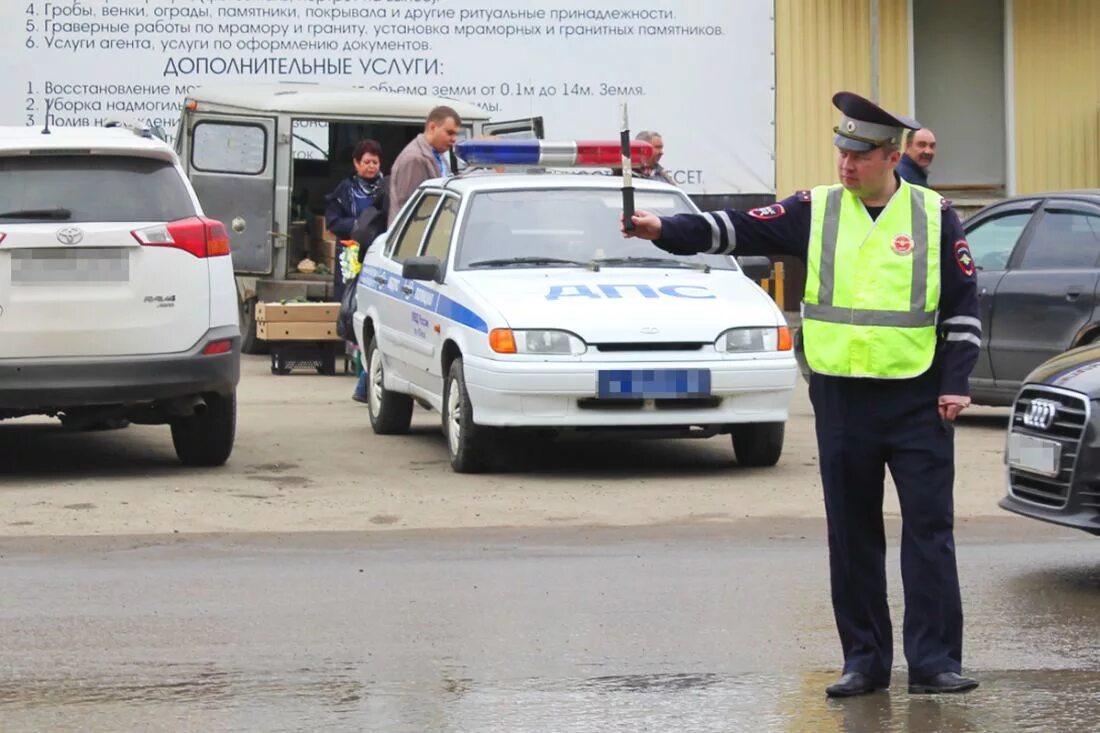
[[1038, 260], [1053, 447]]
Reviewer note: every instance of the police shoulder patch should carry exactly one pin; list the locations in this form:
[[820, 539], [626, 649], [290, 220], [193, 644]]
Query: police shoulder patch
[[964, 259], [803, 195], [768, 212]]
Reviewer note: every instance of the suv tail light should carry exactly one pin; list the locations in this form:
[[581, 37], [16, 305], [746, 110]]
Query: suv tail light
[[197, 235]]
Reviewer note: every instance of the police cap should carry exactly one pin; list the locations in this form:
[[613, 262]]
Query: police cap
[[866, 126]]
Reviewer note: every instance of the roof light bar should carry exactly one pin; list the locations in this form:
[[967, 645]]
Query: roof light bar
[[578, 154]]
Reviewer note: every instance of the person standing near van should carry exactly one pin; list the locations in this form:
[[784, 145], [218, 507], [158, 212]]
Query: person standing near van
[[424, 158], [352, 197]]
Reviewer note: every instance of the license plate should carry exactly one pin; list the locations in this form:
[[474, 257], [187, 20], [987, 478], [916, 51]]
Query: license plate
[[653, 383], [69, 266], [1035, 455]]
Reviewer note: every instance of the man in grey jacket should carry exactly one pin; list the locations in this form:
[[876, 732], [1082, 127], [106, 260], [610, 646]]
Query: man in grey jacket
[[424, 158]]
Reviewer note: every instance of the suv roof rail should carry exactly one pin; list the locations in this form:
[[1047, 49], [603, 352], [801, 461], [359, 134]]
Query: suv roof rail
[[141, 130]]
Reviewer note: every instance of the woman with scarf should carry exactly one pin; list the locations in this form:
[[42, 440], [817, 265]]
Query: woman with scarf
[[353, 196]]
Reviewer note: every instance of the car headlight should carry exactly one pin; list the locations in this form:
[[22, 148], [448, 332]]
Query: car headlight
[[540, 342], [749, 340]]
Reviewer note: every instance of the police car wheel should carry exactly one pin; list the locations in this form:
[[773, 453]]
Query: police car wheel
[[467, 442], [758, 444], [390, 412]]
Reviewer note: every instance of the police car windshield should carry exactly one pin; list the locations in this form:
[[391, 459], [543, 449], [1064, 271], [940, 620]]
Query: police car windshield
[[531, 228]]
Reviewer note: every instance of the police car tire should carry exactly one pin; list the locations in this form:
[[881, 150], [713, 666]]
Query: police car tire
[[758, 444], [394, 412], [206, 438], [473, 454]]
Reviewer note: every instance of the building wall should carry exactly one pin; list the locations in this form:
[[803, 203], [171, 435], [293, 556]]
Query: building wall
[[822, 47], [1056, 58]]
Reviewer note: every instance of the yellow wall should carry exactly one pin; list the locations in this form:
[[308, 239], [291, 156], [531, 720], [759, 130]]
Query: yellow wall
[[1056, 62], [822, 47]]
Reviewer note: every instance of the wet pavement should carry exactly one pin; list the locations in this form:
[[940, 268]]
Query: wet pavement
[[675, 628]]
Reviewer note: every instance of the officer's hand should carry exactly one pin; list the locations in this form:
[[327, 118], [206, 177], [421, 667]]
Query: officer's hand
[[951, 405], [646, 226]]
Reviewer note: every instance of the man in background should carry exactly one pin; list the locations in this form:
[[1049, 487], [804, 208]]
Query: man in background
[[424, 158], [920, 151], [652, 168]]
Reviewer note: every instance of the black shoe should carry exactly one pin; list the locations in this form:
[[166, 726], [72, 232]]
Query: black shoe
[[851, 684], [359, 397], [944, 682]]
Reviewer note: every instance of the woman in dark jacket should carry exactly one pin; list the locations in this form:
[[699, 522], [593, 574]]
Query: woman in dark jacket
[[352, 197]]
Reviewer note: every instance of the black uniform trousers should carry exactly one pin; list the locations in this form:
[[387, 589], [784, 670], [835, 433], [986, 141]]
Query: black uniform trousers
[[863, 427]]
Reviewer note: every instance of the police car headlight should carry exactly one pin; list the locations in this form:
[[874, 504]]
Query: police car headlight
[[536, 341], [748, 340]]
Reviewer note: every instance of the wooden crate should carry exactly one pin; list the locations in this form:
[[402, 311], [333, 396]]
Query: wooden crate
[[298, 313], [296, 331]]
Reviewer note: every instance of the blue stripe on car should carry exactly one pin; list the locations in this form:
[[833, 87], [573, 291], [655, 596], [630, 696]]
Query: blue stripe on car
[[421, 297]]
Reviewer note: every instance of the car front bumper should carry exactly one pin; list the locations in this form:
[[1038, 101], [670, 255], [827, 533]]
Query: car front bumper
[[48, 385], [564, 394]]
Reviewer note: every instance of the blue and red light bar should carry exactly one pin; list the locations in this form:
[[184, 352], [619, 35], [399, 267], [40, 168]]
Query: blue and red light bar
[[577, 154]]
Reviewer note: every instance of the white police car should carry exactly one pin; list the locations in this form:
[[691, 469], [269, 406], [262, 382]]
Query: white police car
[[509, 301]]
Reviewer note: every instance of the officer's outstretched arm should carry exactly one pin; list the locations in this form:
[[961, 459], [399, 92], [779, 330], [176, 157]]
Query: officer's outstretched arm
[[782, 228]]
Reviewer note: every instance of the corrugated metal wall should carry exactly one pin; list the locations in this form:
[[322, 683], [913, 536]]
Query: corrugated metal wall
[[1056, 62], [822, 47]]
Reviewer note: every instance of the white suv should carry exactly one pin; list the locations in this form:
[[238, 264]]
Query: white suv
[[117, 299]]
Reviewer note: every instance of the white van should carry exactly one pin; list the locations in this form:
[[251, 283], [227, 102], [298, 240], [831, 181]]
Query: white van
[[263, 156]]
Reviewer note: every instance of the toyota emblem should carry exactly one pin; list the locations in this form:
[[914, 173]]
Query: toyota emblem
[[649, 330], [70, 235], [1040, 414]]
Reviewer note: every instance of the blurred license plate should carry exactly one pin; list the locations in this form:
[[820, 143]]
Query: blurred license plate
[[653, 383], [1036, 455], [52, 266]]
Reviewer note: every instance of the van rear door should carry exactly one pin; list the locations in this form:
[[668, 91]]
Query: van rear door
[[230, 160]]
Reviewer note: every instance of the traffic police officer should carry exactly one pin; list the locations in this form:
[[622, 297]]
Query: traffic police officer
[[891, 333]]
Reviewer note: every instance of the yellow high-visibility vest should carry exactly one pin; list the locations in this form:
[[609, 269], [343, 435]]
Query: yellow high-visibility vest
[[872, 287]]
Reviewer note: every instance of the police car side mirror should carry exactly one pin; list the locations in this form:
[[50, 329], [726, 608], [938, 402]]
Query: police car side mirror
[[422, 268], [755, 268]]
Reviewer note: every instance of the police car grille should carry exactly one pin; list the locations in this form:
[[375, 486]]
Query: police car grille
[[1068, 429], [651, 346]]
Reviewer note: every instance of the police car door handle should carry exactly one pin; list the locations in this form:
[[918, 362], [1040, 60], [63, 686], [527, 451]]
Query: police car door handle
[[1073, 294], [380, 280], [407, 289]]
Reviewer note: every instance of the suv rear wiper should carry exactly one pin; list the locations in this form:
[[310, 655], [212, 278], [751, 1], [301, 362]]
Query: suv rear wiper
[[505, 262], [643, 261], [59, 213]]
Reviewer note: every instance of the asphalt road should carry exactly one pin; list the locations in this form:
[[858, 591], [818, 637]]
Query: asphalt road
[[698, 628]]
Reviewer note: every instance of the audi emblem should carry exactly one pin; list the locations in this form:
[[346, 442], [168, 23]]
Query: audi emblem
[[1040, 414], [70, 235]]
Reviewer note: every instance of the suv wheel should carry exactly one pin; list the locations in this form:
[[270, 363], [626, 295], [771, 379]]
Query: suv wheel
[[758, 444], [206, 438], [468, 444], [390, 412]]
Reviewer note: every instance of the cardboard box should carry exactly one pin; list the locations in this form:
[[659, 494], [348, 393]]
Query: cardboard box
[[298, 312], [321, 230], [325, 250], [297, 331]]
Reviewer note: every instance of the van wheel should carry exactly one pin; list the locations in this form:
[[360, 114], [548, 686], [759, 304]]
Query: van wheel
[[250, 344], [390, 412], [468, 444], [206, 438], [758, 444]]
